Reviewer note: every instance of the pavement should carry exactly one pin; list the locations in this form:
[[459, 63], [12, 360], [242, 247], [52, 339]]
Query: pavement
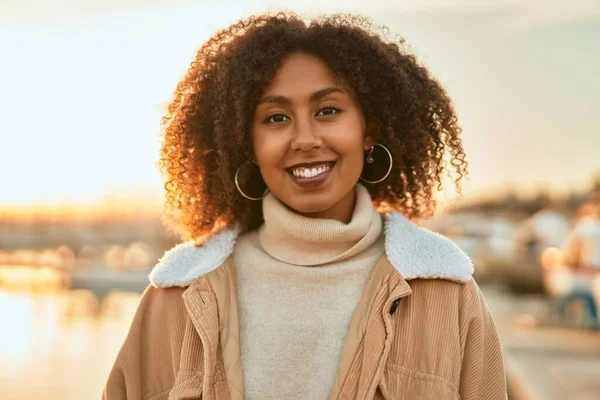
[[544, 361]]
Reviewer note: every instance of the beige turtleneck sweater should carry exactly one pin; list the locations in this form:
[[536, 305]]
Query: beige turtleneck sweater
[[299, 280]]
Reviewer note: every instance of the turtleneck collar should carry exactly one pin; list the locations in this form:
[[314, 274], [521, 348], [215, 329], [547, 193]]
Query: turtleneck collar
[[299, 240]]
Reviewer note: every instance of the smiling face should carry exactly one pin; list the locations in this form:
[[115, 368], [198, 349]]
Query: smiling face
[[308, 136]]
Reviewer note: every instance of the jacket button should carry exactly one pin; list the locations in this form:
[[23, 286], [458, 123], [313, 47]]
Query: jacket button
[[394, 306]]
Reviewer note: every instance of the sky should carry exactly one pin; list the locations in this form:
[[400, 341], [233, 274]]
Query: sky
[[83, 85]]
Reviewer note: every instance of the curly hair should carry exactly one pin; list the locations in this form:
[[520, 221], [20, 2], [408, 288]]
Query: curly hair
[[206, 132]]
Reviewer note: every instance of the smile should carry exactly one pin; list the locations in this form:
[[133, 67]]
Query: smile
[[311, 171], [311, 174]]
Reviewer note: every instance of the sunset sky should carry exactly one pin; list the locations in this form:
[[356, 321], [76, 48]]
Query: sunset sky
[[82, 85]]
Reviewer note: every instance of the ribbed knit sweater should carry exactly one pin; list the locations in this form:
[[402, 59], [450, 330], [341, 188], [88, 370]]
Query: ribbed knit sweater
[[298, 286]]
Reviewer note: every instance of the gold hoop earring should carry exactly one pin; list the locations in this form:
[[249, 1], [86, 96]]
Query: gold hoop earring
[[237, 185], [370, 159]]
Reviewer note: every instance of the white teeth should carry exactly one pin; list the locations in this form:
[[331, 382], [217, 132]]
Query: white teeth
[[310, 172]]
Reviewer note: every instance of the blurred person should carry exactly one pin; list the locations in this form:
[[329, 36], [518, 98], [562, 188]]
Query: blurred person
[[543, 230], [299, 157], [581, 247], [581, 256]]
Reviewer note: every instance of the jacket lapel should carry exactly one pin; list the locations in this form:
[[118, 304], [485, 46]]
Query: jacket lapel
[[380, 335], [223, 282], [358, 325], [212, 304], [201, 304], [365, 350]]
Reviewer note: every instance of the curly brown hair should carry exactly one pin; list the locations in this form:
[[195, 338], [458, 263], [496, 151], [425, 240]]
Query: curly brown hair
[[206, 131]]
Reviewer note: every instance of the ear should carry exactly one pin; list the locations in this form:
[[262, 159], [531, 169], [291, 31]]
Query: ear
[[368, 140]]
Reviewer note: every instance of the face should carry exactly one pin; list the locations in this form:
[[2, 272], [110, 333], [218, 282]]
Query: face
[[308, 136]]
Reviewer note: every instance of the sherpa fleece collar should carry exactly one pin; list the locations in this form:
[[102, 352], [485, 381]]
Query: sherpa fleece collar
[[413, 250]]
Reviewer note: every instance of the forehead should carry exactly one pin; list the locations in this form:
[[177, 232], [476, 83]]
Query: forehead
[[301, 74]]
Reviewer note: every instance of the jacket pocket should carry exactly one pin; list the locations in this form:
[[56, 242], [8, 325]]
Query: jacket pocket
[[401, 383]]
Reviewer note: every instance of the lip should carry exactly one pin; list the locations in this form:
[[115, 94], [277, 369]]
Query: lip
[[314, 181], [310, 164]]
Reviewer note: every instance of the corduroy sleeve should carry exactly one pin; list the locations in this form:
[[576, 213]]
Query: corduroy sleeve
[[482, 371], [147, 363]]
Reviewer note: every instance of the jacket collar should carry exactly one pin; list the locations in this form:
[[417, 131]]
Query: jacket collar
[[415, 252]]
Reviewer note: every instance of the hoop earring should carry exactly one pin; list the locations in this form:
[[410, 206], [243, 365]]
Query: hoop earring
[[237, 185], [370, 160]]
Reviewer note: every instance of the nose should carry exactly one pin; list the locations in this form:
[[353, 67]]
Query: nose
[[305, 137]]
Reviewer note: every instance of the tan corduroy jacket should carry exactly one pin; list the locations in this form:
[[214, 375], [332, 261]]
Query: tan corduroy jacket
[[421, 329]]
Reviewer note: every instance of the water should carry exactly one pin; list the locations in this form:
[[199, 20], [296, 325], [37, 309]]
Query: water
[[59, 344]]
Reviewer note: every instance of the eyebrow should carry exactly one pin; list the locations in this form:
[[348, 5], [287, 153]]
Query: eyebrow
[[284, 100]]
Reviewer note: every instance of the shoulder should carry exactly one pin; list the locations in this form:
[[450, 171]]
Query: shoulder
[[472, 306], [158, 321], [158, 327], [459, 304], [455, 294], [159, 305]]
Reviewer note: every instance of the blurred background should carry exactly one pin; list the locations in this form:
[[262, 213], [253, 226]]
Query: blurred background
[[82, 89]]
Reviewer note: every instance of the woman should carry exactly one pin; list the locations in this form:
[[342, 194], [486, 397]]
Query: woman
[[296, 157]]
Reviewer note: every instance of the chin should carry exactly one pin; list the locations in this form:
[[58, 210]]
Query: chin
[[318, 199], [307, 203], [309, 207]]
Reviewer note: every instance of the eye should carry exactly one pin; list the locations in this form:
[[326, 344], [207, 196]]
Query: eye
[[276, 118], [326, 111]]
